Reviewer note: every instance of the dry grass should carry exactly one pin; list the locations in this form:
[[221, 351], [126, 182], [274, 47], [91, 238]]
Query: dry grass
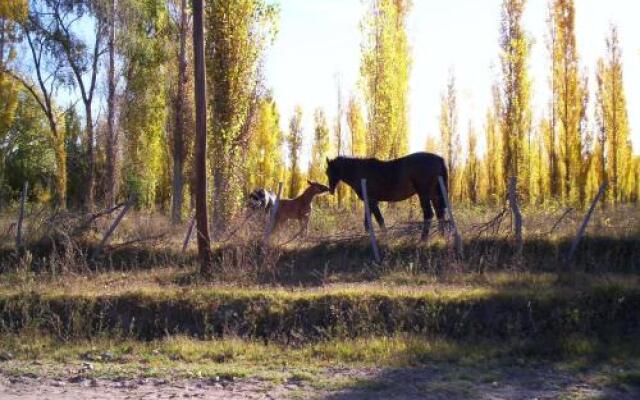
[[301, 310]]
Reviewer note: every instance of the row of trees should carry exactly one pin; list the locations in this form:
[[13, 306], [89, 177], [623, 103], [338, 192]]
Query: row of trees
[[128, 130], [562, 156]]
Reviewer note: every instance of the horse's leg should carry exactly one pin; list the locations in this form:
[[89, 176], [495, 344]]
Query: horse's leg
[[375, 210], [427, 213]]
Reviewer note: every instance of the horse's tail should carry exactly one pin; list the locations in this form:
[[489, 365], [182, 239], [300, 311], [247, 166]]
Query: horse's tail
[[445, 178]]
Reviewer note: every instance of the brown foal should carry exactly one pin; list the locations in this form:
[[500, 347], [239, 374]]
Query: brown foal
[[299, 208]]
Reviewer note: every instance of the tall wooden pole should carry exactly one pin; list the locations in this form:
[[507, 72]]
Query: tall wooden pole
[[273, 214], [517, 216], [200, 151], [23, 200], [457, 239], [112, 133], [583, 226], [178, 131], [367, 217]]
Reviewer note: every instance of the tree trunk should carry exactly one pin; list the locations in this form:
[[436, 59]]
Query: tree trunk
[[89, 190], [60, 153], [178, 135], [112, 134], [200, 150]]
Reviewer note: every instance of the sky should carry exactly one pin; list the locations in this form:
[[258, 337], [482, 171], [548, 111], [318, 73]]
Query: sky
[[319, 41]]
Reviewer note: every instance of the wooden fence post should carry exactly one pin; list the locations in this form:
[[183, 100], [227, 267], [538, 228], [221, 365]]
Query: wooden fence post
[[272, 215], [367, 216], [112, 228], [23, 200], [187, 239], [583, 227], [457, 240], [517, 216]]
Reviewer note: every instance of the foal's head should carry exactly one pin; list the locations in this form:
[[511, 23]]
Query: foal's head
[[316, 188]]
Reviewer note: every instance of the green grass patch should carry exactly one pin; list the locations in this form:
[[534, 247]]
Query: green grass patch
[[499, 310]]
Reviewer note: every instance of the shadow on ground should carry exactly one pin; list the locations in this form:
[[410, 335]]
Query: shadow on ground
[[515, 377]]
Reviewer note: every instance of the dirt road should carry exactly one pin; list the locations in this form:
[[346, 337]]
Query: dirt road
[[407, 384]]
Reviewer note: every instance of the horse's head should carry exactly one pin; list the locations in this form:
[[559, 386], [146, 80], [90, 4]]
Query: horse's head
[[333, 174], [317, 188]]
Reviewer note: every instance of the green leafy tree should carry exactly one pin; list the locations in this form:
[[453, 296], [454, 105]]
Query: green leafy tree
[[238, 32], [9, 36], [144, 107], [25, 153]]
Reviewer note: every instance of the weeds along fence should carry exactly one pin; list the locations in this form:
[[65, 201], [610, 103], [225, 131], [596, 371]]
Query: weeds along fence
[[119, 238]]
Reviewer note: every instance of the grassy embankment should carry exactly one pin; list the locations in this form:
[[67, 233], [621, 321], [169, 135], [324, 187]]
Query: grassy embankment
[[322, 302]]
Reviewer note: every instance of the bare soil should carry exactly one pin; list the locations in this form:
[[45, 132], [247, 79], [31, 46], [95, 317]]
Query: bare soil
[[439, 382]]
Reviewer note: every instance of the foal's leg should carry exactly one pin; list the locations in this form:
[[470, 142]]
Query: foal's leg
[[305, 226], [427, 213]]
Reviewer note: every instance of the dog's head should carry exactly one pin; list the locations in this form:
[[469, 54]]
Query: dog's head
[[260, 199]]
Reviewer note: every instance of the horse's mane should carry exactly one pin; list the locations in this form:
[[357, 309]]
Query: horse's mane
[[357, 160]]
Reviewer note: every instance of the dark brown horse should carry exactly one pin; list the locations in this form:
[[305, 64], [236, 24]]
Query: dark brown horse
[[394, 180]]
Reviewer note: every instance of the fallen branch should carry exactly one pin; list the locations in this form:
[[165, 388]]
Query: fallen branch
[[138, 240], [567, 212], [493, 224]]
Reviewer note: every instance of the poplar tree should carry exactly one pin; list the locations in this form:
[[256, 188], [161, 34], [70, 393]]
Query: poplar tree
[[357, 128], [449, 135], [264, 164], [432, 145], [471, 170], [385, 68], [515, 119], [320, 148], [294, 141], [144, 113], [569, 105], [238, 33], [614, 120], [320, 151], [494, 164], [538, 184]]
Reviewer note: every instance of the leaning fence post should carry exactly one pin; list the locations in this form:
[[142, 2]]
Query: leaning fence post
[[111, 229], [187, 239], [517, 216], [367, 216], [457, 240], [23, 200], [583, 227], [272, 215]]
